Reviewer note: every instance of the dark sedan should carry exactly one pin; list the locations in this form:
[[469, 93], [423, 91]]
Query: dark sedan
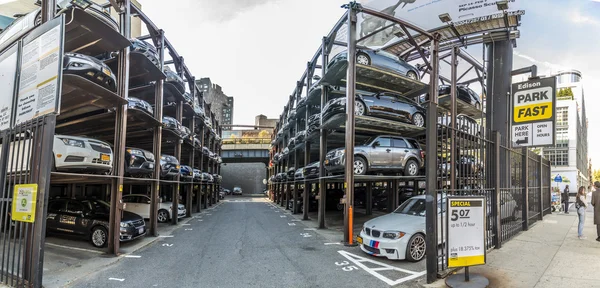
[[310, 171], [169, 166], [175, 79], [188, 98], [206, 177], [144, 48], [463, 93], [90, 68], [172, 124], [314, 122], [199, 110], [381, 105], [138, 162], [197, 175], [135, 103], [381, 60], [300, 136], [205, 150], [292, 115], [186, 172], [291, 143], [88, 218]]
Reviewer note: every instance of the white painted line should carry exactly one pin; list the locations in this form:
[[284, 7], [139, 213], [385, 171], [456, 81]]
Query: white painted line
[[550, 221], [200, 220], [165, 236], [358, 260], [74, 248], [189, 229], [310, 229], [116, 279], [296, 220], [132, 256], [208, 214], [282, 216], [292, 224], [335, 243], [186, 224], [305, 235]]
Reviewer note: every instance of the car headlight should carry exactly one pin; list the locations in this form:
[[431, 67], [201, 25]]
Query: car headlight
[[135, 152], [339, 153], [393, 234], [73, 142], [124, 225]]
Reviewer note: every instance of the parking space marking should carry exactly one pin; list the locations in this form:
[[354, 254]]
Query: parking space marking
[[116, 279], [310, 229], [296, 220], [186, 224], [165, 236], [282, 216], [358, 261], [74, 248], [200, 220], [189, 229], [292, 224], [132, 256], [305, 235], [334, 243]]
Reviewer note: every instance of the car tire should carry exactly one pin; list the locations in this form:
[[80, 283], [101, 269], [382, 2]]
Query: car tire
[[412, 75], [411, 168], [162, 216], [99, 236], [363, 59], [360, 109], [360, 165], [416, 248], [418, 120]]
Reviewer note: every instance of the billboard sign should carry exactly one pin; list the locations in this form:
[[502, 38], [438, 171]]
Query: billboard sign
[[466, 231], [424, 14], [533, 112], [9, 60]]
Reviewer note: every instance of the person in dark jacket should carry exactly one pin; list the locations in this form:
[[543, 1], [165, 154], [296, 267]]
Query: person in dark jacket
[[566, 199], [596, 204]]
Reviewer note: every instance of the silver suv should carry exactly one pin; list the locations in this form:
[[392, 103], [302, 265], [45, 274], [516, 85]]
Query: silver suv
[[382, 153]]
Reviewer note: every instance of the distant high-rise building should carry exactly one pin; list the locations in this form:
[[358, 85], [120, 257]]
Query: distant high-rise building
[[221, 104]]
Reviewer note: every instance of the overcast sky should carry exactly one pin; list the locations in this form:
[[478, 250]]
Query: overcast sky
[[257, 49]]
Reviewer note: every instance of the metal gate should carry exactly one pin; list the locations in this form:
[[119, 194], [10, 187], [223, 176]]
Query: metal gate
[[25, 158]]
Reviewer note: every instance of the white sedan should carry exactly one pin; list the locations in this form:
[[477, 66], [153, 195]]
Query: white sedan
[[140, 204], [401, 234]]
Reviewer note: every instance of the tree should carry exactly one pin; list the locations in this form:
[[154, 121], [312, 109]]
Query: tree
[[596, 175], [263, 134]]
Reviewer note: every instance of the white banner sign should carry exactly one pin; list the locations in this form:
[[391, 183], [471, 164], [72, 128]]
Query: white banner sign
[[466, 231], [39, 86], [8, 72]]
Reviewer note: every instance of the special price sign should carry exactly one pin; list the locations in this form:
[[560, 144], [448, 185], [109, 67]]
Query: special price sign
[[533, 104], [466, 231]]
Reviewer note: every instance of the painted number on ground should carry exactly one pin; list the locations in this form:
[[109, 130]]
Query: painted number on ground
[[305, 235], [346, 266], [167, 245]]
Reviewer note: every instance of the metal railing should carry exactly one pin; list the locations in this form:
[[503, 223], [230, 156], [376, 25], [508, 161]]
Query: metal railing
[[230, 141]]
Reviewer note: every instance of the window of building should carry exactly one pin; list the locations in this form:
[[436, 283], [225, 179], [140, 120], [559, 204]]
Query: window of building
[[562, 116], [558, 157], [562, 137]]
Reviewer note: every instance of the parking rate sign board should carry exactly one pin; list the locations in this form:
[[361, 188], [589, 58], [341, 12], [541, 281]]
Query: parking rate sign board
[[533, 120], [24, 201], [466, 231]]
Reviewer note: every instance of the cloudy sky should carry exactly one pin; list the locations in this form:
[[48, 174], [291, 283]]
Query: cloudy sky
[[257, 49]]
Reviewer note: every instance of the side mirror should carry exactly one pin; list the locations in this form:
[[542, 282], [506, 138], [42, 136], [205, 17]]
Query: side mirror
[[316, 77], [375, 144], [149, 201]]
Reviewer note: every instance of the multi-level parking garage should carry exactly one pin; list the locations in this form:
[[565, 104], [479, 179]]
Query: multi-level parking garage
[[372, 125], [110, 128]]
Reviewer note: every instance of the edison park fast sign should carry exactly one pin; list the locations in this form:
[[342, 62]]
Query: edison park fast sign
[[533, 112]]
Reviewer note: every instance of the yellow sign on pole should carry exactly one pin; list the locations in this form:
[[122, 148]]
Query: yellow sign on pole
[[24, 201]]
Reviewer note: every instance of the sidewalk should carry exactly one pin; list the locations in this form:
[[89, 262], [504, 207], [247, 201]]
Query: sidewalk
[[548, 255]]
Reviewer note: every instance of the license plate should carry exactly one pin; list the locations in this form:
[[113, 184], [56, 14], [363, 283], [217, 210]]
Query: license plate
[[326, 162], [104, 157], [359, 240], [141, 230], [106, 71]]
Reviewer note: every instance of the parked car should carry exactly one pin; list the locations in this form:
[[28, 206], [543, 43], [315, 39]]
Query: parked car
[[382, 105], [218, 178], [197, 175], [401, 234], [169, 166], [463, 93], [290, 174], [291, 143], [314, 122], [198, 109], [138, 104], [174, 79], [382, 153], [88, 218], [285, 152], [138, 162], [72, 153], [206, 177], [310, 171], [170, 123], [380, 59], [237, 190], [185, 132], [197, 142], [227, 191], [292, 115], [140, 204], [186, 172], [90, 68], [144, 48], [188, 98], [205, 150], [221, 195], [300, 136]]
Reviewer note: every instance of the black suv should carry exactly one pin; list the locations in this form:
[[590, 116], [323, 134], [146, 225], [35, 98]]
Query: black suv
[[138, 162], [144, 48], [90, 68], [88, 218]]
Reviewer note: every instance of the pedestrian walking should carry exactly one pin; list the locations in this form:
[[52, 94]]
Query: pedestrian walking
[[566, 199], [596, 204], [581, 205]]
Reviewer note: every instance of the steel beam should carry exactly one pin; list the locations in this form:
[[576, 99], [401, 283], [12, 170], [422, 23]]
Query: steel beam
[[157, 139], [116, 204], [322, 143], [453, 147], [175, 192]]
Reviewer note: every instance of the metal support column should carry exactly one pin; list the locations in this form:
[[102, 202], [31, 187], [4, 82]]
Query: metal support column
[[116, 204], [349, 151], [541, 184], [322, 141], [157, 137], [495, 181], [190, 189], [175, 200], [431, 166], [395, 191], [525, 182], [204, 199], [453, 148], [369, 198]]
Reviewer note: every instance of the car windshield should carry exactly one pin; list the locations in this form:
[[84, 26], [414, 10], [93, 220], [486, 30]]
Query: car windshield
[[98, 206], [415, 206]]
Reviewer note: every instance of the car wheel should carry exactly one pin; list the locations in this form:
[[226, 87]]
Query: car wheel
[[363, 59], [412, 75], [359, 109], [360, 166], [411, 168], [418, 120], [162, 216], [416, 248], [99, 236]]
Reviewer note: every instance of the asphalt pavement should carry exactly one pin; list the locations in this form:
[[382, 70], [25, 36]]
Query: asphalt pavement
[[249, 242]]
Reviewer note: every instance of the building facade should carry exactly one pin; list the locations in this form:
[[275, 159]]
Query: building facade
[[263, 121], [569, 157], [221, 104]]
